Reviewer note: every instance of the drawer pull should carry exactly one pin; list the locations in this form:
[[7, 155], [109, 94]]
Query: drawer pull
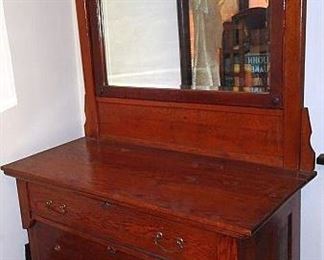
[[57, 248], [112, 250], [106, 205], [60, 209], [179, 244]]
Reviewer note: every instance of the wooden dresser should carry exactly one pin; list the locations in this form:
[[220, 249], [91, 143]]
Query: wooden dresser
[[93, 199], [175, 174]]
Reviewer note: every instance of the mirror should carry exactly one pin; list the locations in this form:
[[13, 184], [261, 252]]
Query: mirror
[[141, 43], [228, 44]]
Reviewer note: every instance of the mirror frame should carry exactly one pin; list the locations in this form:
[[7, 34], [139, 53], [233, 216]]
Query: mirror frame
[[273, 99]]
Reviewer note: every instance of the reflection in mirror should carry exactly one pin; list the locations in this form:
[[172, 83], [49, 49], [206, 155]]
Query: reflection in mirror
[[141, 43], [230, 45]]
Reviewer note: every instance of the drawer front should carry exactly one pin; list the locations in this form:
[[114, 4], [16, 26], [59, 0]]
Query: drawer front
[[129, 227], [49, 243]]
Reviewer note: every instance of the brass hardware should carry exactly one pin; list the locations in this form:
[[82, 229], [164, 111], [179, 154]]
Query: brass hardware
[[112, 250], [61, 209], [106, 205], [57, 247], [48, 203], [179, 244]]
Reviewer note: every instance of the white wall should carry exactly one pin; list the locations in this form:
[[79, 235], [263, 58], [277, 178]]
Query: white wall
[[45, 57], [312, 247]]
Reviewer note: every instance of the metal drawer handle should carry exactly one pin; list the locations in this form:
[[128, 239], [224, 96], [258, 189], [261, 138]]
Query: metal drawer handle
[[60, 209], [57, 248], [112, 250], [106, 205], [179, 244]]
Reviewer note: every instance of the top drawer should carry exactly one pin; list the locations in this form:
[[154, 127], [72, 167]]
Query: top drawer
[[129, 227]]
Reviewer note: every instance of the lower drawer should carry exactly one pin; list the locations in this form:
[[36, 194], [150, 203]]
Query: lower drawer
[[49, 243]]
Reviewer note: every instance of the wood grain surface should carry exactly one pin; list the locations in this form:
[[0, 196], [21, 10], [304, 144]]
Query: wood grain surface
[[230, 197]]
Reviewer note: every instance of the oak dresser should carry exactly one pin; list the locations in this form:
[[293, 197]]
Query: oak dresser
[[179, 173]]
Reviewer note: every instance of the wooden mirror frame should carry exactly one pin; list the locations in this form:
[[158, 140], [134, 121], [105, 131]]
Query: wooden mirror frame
[[286, 128], [185, 94]]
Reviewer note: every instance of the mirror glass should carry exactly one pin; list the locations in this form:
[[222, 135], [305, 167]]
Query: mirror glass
[[229, 44], [141, 43]]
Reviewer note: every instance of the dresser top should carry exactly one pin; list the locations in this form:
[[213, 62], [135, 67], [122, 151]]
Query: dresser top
[[231, 197]]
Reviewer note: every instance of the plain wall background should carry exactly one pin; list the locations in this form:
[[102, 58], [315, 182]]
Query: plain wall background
[[312, 239], [45, 56], [46, 60]]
